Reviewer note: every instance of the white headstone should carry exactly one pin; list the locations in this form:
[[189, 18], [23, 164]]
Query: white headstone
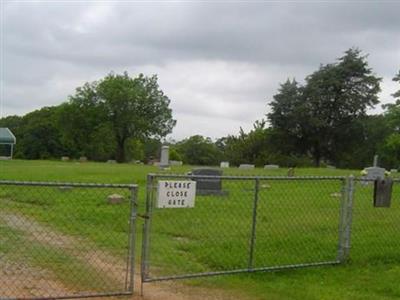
[[374, 173], [175, 163], [115, 198], [271, 167], [246, 166], [164, 161], [375, 164], [224, 164]]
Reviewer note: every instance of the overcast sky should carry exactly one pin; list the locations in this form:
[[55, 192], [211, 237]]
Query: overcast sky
[[219, 63]]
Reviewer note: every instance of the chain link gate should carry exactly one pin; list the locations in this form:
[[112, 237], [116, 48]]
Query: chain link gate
[[66, 240], [250, 224]]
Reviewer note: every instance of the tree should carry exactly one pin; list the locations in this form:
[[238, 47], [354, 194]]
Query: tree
[[133, 108], [391, 148], [396, 78], [38, 136], [317, 117], [287, 118], [198, 150]]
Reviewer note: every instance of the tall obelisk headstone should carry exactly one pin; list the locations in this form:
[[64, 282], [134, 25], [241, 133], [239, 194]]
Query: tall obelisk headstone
[[164, 160]]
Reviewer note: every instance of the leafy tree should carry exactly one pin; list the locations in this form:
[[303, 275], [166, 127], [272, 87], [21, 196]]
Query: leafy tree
[[133, 108], [317, 118], [287, 118], [396, 78], [174, 155], [368, 135], [390, 151], [198, 150], [38, 135], [260, 147]]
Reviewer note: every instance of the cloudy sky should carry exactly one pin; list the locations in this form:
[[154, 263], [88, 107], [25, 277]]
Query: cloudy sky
[[220, 63]]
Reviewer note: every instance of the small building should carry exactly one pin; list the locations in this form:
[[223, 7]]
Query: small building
[[7, 138]]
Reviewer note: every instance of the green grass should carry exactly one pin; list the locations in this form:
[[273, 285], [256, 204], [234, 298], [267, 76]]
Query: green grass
[[19, 250], [297, 222]]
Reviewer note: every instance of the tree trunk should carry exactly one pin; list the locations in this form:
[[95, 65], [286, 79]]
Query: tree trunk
[[120, 154], [317, 155]]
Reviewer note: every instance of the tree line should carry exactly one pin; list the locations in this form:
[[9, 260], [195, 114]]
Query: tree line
[[321, 121]]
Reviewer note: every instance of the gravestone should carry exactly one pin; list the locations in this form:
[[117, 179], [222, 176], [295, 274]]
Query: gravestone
[[208, 186], [175, 163], [393, 170], [111, 161], [164, 161], [373, 173], [383, 192], [330, 167], [375, 163], [271, 167], [246, 166], [224, 164], [83, 159], [115, 199], [65, 158]]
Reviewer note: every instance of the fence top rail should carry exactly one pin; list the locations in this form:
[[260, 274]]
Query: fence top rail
[[68, 184], [254, 177], [362, 179]]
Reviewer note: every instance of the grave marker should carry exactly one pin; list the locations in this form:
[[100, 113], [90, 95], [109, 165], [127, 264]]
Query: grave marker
[[164, 161], [224, 164], [271, 167], [208, 186], [246, 166]]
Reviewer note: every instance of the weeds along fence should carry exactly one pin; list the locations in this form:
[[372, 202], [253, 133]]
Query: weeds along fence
[[267, 223], [66, 240], [250, 224]]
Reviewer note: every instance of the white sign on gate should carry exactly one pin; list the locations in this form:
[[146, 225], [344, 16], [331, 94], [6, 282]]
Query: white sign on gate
[[176, 194]]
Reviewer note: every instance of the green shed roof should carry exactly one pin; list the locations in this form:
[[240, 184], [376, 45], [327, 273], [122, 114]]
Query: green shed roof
[[6, 136]]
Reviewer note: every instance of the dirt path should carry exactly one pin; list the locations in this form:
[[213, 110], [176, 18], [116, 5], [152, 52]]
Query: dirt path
[[23, 281]]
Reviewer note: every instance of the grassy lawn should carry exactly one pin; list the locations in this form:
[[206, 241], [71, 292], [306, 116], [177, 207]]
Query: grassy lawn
[[297, 222]]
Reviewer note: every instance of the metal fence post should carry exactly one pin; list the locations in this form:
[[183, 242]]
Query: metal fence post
[[342, 220], [132, 237], [349, 218], [146, 230], [346, 220], [254, 223]]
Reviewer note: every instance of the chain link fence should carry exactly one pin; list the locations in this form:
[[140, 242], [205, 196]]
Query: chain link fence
[[375, 231], [66, 240], [249, 224]]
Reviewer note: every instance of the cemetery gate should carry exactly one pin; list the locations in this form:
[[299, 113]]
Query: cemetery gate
[[66, 240], [209, 225]]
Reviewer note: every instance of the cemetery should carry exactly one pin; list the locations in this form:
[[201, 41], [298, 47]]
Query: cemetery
[[219, 204], [227, 160]]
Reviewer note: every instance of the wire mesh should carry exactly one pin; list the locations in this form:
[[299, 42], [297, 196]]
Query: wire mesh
[[65, 240], [254, 223], [375, 233]]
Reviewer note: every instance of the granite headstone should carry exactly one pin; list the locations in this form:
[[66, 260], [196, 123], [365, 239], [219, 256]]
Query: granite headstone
[[208, 186]]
